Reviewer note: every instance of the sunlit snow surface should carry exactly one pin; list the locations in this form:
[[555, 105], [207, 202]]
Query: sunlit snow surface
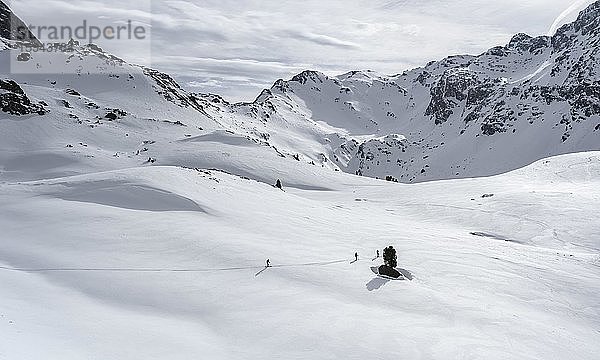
[[166, 262]]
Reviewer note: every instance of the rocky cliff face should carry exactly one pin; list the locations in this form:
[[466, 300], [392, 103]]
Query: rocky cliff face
[[12, 28]]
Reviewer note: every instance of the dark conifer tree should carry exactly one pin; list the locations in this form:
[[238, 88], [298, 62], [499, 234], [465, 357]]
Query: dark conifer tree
[[389, 257]]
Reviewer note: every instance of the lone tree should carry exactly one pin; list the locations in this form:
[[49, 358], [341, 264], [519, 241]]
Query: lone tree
[[389, 257]]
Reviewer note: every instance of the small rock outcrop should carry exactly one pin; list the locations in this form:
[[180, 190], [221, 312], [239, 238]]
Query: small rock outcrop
[[14, 101]]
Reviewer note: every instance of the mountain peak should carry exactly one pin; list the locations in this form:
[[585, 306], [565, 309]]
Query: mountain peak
[[589, 19], [306, 75], [587, 24], [524, 42]]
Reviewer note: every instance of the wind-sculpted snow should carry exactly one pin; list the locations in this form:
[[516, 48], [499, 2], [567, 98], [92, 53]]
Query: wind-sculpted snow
[[127, 196]]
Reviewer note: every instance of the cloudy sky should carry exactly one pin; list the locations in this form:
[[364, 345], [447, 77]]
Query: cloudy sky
[[237, 47]]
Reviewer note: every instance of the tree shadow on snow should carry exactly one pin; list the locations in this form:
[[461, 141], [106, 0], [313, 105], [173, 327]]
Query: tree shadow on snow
[[376, 283], [260, 272], [407, 274]]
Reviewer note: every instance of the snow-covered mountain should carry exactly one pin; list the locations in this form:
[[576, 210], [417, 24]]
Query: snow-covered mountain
[[459, 117], [83, 110]]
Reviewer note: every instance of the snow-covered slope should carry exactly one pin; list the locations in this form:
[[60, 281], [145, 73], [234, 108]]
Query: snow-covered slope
[[166, 262], [65, 113], [84, 110]]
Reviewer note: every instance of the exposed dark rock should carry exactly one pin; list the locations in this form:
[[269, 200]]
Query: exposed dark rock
[[178, 123], [499, 51], [171, 91], [24, 56], [12, 28], [448, 92], [72, 92], [14, 101], [523, 42], [115, 114], [306, 75]]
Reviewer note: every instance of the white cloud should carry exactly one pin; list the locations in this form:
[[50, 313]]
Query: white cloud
[[321, 39]]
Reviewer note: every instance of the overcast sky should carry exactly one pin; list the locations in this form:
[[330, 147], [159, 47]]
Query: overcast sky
[[237, 47]]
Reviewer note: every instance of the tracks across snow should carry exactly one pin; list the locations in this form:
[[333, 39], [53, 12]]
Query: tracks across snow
[[166, 270]]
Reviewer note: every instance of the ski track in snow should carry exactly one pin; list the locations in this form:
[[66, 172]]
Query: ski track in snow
[[168, 270]]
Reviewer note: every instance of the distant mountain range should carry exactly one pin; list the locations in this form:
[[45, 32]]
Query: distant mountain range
[[462, 116]]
